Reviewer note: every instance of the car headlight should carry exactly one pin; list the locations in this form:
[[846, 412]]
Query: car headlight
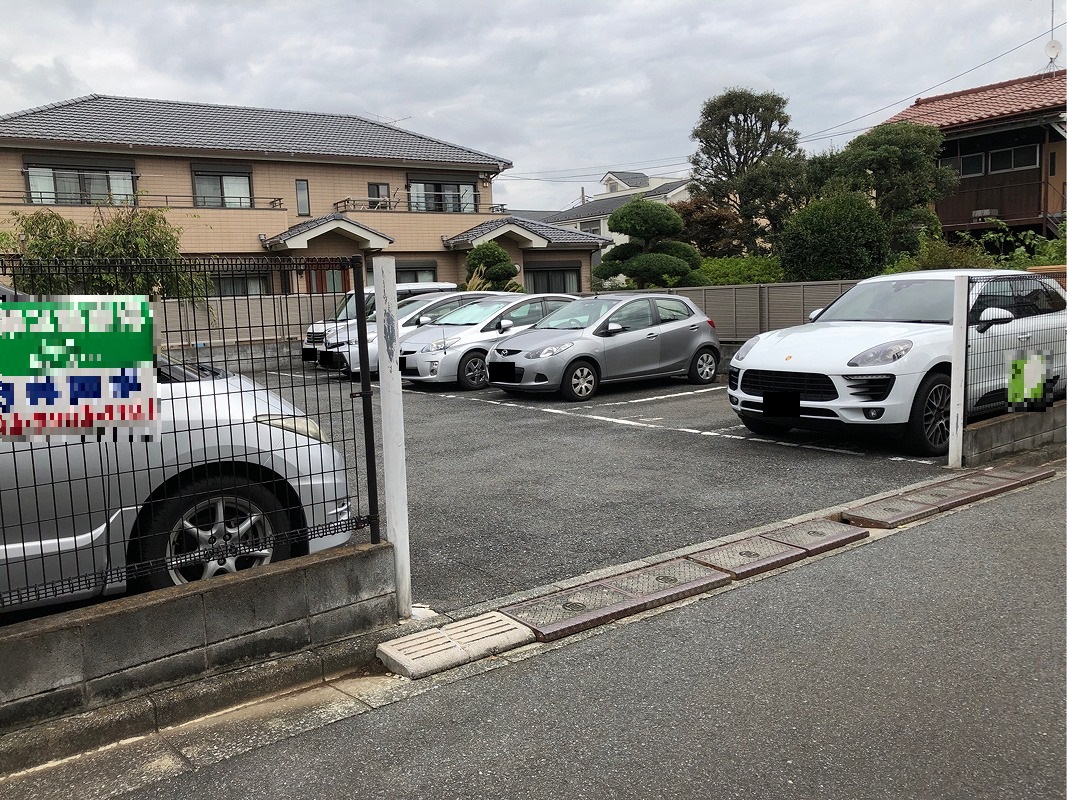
[[882, 354], [305, 426], [440, 344], [746, 348], [551, 350]]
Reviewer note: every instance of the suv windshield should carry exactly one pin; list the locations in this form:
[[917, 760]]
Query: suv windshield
[[904, 300], [577, 315], [474, 313]]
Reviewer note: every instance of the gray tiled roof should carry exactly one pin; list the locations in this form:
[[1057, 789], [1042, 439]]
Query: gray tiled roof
[[631, 179], [594, 209], [102, 119], [311, 224], [552, 233], [667, 188]]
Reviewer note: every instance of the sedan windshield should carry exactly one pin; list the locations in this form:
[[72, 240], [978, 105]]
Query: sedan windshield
[[346, 309], [904, 300], [577, 315], [474, 313]]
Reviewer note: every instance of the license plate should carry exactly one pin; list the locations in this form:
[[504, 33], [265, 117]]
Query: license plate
[[403, 363], [781, 404], [503, 371]]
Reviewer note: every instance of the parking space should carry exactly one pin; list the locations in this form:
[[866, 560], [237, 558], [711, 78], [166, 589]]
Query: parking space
[[508, 492]]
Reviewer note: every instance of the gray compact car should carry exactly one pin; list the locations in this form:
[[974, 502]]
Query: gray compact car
[[607, 339], [234, 478]]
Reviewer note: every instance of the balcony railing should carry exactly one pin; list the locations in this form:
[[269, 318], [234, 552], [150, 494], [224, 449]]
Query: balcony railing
[[433, 202], [51, 199]]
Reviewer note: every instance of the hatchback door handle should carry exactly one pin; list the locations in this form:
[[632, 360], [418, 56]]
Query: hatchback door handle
[[652, 336]]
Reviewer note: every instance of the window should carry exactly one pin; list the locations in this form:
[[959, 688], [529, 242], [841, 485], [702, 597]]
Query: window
[[633, 316], [303, 199], [417, 271], [552, 276], [671, 310], [966, 166], [444, 197], [1024, 157], [378, 195], [241, 285], [222, 185], [524, 313], [79, 186], [323, 281], [591, 226]]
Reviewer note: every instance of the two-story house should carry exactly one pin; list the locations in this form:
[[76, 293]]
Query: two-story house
[[1008, 143], [245, 182], [619, 188]]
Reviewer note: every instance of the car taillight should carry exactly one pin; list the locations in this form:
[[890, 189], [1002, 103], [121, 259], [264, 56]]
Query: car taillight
[[711, 322]]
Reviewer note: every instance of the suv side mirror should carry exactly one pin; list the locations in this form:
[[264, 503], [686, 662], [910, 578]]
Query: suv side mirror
[[814, 315], [993, 316]]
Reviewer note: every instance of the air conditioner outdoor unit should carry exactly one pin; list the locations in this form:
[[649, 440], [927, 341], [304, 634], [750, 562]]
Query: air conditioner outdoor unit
[[983, 213]]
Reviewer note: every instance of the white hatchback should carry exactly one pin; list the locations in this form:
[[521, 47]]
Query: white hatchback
[[880, 355]]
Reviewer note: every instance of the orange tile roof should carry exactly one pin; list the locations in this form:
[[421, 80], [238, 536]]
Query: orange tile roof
[[1015, 98]]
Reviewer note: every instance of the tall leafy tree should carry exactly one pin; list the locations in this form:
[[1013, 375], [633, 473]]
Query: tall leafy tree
[[748, 160], [896, 164], [713, 230], [836, 238]]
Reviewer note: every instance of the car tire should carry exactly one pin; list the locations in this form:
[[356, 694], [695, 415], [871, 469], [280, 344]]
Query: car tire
[[928, 426], [761, 428], [471, 373], [203, 505], [580, 382], [704, 365]]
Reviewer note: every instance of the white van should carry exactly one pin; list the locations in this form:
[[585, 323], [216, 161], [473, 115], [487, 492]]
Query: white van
[[314, 339]]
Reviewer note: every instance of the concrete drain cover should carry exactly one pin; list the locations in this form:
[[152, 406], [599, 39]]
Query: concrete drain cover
[[957, 492], [557, 615], [889, 513], [1019, 476], [818, 535], [750, 556], [427, 652]]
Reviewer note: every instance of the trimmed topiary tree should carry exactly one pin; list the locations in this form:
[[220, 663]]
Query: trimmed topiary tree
[[493, 267], [837, 238]]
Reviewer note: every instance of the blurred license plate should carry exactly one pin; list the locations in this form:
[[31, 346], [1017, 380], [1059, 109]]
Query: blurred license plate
[[403, 363], [503, 371]]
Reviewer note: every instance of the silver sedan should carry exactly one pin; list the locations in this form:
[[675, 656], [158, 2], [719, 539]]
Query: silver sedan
[[607, 339]]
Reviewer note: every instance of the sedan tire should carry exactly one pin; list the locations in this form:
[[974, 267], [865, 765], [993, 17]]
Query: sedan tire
[[211, 513], [472, 373], [579, 382], [704, 366]]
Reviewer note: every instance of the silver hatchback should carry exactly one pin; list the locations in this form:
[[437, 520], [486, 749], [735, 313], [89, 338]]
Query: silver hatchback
[[608, 339]]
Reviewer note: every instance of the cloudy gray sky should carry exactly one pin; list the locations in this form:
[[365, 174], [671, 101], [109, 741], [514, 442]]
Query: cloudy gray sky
[[564, 89]]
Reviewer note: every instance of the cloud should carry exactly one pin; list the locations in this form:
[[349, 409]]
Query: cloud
[[551, 85]]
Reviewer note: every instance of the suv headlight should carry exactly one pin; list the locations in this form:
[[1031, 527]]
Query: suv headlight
[[746, 348], [305, 426], [551, 350], [882, 354], [440, 344]]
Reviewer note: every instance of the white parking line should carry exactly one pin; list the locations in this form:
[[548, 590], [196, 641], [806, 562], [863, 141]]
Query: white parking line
[[659, 397]]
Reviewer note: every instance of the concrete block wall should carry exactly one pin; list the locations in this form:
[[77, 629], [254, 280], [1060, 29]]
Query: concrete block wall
[[78, 660], [1016, 432]]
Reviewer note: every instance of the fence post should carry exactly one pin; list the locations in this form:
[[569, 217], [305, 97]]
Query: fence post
[[958, 385], [356, 263], [394, 455]]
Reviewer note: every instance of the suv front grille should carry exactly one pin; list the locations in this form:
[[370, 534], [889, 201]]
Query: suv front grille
[[870, 387], [734, 372], [811, 386]]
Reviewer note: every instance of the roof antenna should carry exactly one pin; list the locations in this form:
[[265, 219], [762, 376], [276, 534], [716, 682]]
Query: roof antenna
[[1052, 48]]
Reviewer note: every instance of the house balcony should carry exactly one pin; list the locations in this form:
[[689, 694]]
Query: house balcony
[[427, 202], [1028, 204]]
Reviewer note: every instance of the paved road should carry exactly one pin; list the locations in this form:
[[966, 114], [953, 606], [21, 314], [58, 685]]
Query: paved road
[[508, 493], [923, 665]]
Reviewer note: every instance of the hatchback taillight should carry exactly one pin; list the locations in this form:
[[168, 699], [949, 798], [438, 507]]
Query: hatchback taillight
[[711, 322]]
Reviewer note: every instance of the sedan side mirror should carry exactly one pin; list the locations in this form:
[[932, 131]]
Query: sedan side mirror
[[424, 320], [505, 325], [993, 316]]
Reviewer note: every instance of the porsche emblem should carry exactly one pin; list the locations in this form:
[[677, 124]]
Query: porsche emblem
[[788, 358]]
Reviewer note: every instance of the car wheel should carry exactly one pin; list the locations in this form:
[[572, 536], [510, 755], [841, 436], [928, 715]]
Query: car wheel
[[761, 428], [472, 373], [704, 366], [579, 381], [235, 519], [928, 426]]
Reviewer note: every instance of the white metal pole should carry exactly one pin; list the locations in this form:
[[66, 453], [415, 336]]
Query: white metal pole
[[394, 454], [958, 386]]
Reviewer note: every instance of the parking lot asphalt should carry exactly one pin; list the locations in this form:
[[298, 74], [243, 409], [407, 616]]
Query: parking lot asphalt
[[924, 663], [512, 492]]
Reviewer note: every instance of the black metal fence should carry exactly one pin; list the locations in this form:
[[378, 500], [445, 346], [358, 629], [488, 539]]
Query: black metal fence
[[153, 433], [1016, 359]]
